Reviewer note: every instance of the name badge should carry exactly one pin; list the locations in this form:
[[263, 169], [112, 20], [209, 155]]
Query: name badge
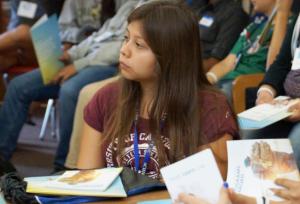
[[27, 9], [206, 21], [296, 60]]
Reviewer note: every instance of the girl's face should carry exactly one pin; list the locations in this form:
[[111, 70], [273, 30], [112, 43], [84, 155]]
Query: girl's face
[[263, 6], [137, 61]]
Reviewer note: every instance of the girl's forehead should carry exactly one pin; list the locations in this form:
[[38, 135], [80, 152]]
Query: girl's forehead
[[135, 25], [136, 28]]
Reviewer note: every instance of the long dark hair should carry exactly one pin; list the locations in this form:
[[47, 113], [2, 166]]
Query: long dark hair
[[171, 31]]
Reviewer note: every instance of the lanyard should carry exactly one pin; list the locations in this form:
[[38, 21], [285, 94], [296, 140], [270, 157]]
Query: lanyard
[[254, 45], [136, 146], [137, 155]]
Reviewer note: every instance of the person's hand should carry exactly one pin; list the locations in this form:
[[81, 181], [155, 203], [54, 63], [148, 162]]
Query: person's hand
[[210, 80], [64, 74], [264, 97], [241, 199], [66, 46], [224, 197], [227, 196], [284, 5], [65, 57], [295, 109], [290, 193], [191, 199], [210, 77]]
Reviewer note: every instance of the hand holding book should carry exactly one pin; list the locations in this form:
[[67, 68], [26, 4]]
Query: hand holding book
[[266, 114], [290, 192], [65, 58], [253, 166], [295, 110], [64, 74]]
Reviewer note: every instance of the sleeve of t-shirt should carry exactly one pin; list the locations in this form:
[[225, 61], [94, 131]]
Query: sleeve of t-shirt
[[278, 71], [218, 119], [97, 109], [228, 34]]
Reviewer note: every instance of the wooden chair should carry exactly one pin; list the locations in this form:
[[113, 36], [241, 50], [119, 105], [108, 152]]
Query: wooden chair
[[239, 86]]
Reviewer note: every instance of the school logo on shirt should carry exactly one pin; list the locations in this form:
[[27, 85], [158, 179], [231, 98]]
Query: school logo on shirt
[[127, 156]]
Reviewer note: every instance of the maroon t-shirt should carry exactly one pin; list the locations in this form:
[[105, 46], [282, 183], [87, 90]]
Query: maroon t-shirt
[[216, 118]]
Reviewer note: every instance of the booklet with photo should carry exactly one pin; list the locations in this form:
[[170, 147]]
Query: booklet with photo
[[98, 182], [265, 114], [47, 46], [253, 165], [197, 174]]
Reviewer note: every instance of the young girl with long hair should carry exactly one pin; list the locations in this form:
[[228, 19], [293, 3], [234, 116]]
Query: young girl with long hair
[[163, 108]]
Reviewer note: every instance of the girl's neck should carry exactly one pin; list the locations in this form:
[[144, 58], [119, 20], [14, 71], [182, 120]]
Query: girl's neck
[[148, 89]]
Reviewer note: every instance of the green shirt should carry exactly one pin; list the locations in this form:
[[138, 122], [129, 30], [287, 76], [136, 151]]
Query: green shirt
[[251, 62]]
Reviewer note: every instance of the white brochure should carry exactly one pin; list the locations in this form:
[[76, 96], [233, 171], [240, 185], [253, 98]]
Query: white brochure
[[197, 174]]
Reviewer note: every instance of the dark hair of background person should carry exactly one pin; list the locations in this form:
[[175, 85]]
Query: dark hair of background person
[[108, 10], [296, 6], [55, 6], [52, 6]]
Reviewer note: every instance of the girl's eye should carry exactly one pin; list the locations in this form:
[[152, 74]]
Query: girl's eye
[[139, 45], [126, 38]]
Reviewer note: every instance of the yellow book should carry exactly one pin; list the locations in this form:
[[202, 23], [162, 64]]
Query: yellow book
[[98, 182]]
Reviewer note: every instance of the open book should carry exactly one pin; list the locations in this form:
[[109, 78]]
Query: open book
[[265, 114], [253, 165], [47, 46], [99, 182]]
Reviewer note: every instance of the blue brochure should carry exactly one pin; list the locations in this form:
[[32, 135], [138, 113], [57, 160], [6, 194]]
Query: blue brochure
[[47, 46]]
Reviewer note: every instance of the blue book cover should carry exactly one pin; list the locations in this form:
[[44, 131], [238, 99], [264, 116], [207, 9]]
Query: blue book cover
[[263, 115], [245, 123], [47, 45]]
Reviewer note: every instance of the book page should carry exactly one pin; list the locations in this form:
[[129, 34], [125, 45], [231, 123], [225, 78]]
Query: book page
[[253, 165], [190, 175], [38, 185], [41, 20], [262, 112], [99, 179]]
